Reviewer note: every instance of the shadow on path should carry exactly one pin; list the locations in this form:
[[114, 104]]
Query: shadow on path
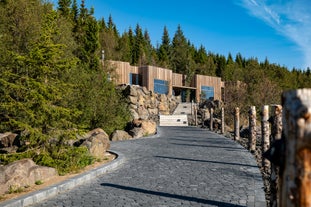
[[210, 140], [208, 161], [211, 146], [169, 195]]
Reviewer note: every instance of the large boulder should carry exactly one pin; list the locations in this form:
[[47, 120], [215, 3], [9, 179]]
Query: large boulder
[[130, 91], [142, 112], [97, 141], [119, 135], [149, 127], [134, 113], [132, 99], [164, 108], [137, 132], [146, 92], [23, 173], [143, 128]]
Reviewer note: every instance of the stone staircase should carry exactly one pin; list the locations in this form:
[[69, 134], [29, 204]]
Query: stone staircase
[[179, 117]]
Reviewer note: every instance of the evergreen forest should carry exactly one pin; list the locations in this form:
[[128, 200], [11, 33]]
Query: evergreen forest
[[53, 85]]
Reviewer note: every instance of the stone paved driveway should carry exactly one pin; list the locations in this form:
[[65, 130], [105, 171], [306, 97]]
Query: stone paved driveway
[[183, 166]]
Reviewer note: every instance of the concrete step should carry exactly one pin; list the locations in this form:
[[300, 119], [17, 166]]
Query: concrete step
[[183, 108], [173, 120]]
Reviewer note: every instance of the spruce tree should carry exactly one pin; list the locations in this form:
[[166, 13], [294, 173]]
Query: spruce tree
[[64, 7], [138, 46], [164, 50], [86, 32], [181, 56], [33, 103]]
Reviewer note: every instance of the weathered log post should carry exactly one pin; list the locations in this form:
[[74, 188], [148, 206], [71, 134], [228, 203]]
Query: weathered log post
[[252, 129], [295, 188], [276, 125], [265, 133], [211, 111], [196, 114], [236, 123], [222, 120], [192, 109], [203, 118], [276, 134]]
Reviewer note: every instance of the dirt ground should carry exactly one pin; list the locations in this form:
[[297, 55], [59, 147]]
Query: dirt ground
[[56, 179]]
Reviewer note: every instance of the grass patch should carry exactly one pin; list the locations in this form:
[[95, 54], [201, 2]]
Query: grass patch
[[15, 189], [39, 182]]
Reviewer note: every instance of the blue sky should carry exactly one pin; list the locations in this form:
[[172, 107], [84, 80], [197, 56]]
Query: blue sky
[[277, 29]]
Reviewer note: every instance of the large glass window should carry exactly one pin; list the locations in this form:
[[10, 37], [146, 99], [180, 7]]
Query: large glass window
[[135, 79], [160, 86], [207, 92]]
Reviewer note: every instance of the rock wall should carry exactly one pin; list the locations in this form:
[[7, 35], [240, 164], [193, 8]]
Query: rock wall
[[146, 105]]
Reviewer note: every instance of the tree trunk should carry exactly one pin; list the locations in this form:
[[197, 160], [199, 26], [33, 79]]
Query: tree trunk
[[252, 129], [296, 176]]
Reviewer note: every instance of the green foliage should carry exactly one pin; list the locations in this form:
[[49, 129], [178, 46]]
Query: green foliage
[[51, 82], [86, 32], [164, 50], [8, 158], [15, 189], [101, 103], [38, 182], [64, 158]]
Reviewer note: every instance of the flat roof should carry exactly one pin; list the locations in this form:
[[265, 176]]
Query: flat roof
[[185, 87]]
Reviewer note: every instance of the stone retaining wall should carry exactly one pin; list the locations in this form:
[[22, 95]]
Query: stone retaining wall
[[146, 105]]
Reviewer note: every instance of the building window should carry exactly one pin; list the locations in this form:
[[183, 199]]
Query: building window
[[160, 86], [207, 92], [135, 79]]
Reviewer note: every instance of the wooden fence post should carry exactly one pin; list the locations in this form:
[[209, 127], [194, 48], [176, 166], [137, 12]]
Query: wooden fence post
[[265, 133], [252, 129], [276, 134], [277, 125], [237, 123], [211, 110], [296, 176], [195, 114], [222, 120]]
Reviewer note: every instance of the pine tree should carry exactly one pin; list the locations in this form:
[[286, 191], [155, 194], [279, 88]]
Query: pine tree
[[164, 50], [87, 38], [138, 46], [64, 7], [75, 11], [109, 39], [124, 49], [179, 52], [33, 103], [181, 57], [149, 57]]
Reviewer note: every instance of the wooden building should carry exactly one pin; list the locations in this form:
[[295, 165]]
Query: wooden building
[[162, 80]]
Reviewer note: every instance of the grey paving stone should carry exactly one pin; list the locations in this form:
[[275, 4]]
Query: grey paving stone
[[183, 166]]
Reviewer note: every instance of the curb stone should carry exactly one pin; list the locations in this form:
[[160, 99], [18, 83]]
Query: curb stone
[[66, 185]]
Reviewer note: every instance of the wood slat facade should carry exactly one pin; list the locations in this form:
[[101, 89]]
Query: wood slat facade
[[175, 80], [215, 82]]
